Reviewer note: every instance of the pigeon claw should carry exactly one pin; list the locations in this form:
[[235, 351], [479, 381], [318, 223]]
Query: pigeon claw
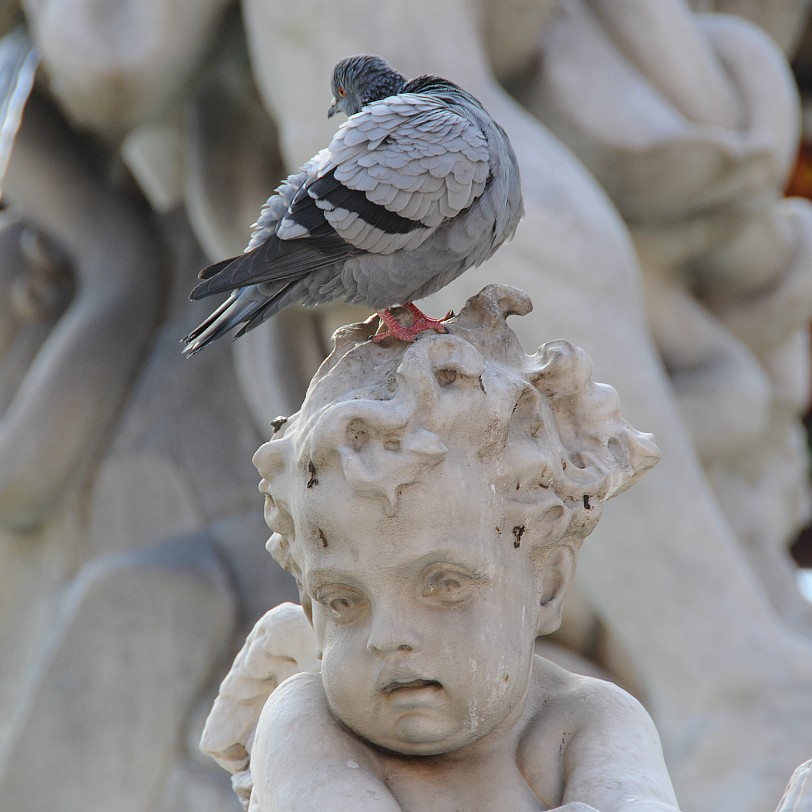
[[392, 327]]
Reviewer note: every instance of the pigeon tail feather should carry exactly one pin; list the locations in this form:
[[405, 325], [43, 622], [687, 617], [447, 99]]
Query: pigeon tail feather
[[239, 309], [273, 261], [215, 268]]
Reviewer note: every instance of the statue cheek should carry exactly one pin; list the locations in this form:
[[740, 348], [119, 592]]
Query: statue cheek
[[339, 670]]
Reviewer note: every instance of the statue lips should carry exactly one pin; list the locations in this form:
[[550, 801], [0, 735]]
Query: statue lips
[[411, 689]]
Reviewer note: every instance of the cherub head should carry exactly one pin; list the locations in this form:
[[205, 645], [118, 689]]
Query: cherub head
[[430, 501]]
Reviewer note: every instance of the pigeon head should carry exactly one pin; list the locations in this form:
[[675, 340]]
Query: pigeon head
[[359, 80]]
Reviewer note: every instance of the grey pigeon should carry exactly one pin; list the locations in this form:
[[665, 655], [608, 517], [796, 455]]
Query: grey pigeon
[[418, 185]]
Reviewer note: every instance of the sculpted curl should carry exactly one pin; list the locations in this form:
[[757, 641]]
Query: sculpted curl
[[381, 420]]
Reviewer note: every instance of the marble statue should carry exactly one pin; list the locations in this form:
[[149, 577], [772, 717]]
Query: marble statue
[[724, 254], [120, 543], [430, 502], [110, 476], [673, 521]]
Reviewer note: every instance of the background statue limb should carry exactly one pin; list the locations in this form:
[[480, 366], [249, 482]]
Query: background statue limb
[[714, 228], [675, 526], [55, 423], [563, 205], [95, 485]]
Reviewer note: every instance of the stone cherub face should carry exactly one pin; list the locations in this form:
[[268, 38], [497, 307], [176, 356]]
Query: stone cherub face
[[426, 619], [430, 501]]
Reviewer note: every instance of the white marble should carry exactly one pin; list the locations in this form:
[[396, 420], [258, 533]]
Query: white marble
[[694, 143], [672, 521], [717, 300], [124, 556], [122, 64], [430, 501]]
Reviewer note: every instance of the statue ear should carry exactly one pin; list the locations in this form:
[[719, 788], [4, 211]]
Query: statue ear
[[554, 570]]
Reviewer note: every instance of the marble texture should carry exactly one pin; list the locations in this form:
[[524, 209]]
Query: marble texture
[[391, 495], [692, 313]]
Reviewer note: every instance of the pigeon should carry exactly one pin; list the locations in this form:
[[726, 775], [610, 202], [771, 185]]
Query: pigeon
[[417, 185]]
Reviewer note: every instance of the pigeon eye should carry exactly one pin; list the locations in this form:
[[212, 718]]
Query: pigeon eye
[[342, 92]]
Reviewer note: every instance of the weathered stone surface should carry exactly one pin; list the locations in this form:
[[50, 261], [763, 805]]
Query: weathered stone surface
[[744, 677]]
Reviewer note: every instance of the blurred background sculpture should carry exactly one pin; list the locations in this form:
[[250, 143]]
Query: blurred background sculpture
[[654, 142]]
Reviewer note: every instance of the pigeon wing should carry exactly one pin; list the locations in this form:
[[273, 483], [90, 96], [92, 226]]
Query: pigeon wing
[[280, 251], [398, 170], [392, 175]]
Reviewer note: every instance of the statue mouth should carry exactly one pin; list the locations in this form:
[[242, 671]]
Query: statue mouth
[[409, 684]]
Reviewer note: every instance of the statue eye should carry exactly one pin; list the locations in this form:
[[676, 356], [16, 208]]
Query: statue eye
[[341, 605], [344, 605], [445, 582], [449, 586], [342, 92]]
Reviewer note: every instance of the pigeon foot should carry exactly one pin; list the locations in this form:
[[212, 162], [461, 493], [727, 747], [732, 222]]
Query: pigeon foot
[[390, 326]]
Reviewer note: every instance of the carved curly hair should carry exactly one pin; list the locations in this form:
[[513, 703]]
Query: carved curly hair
[[553, 442]]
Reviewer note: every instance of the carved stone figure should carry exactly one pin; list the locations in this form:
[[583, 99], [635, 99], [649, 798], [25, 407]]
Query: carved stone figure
[[665, 598], [672, 522], [430, 502], [699, 179], [123, 564]]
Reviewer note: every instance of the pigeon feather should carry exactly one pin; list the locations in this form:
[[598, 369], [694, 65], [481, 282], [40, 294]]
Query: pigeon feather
[[418, 185]]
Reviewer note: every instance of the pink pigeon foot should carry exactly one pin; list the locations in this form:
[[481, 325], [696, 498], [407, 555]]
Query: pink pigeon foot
[[420, 321]]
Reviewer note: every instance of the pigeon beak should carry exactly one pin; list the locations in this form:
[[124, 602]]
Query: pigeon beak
[[333, 109]]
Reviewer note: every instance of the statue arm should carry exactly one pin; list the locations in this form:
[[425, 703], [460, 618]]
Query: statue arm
[[614, 760], [75, 387], [302, 759]]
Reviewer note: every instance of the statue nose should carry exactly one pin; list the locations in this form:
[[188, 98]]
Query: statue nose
[[391, 632]]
